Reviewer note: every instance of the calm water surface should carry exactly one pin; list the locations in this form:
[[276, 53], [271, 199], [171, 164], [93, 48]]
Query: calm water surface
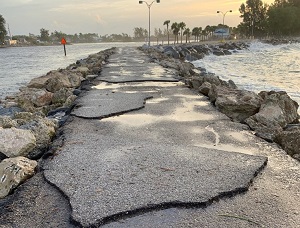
[[18, 65]]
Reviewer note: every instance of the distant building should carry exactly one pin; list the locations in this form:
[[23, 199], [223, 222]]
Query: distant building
[[12, 42], [222, 33]]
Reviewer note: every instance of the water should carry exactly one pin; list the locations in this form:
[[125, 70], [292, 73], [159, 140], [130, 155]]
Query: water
[[262, 67], [18, 65]]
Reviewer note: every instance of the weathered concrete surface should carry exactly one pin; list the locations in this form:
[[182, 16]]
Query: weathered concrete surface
[[98, 105], [129, 68], [139, 74], [164, 141], [121, 178], [168, 154]]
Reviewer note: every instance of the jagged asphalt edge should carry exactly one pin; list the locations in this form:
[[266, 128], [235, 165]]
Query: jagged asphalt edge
[[115, 113], [141, 80], [161, 206]]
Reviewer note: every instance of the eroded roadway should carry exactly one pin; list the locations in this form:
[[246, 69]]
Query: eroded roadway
[[141, 143], [143, 150]]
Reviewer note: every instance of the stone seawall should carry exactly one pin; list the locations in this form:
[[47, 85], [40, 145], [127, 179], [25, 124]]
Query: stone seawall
[[271, 115], [29, 119]]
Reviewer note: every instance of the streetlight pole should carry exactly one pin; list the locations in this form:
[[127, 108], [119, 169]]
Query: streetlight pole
[[224, 14], [149, 7]]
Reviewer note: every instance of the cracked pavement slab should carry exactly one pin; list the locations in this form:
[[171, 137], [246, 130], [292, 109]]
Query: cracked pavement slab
[[146, 72], [120, 179], [98, 105], [134, 66], [147, 159]]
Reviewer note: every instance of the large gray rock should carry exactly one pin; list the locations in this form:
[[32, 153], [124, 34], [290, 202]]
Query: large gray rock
[[185, 68], [218, 52], [205, 88], [282, 101], [30, 98], [83, 70], [60, 80], [183, 51], [236, 104], [14, 171], [171, 52], [289, 140], [60, 96], [16, 142], [197, 81], [277, 110], [198, 56], [170, 63], [202, 49], [55, 80], [42, 128]]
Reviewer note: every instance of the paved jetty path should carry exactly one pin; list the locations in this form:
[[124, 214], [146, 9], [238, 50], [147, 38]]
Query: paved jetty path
[[141, 141], [143, 150]]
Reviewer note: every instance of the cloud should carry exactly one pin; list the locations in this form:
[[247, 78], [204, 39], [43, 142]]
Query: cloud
[[107, 16], [88, 6]]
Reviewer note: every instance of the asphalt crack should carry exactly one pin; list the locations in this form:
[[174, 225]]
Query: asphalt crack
[[175, 204]]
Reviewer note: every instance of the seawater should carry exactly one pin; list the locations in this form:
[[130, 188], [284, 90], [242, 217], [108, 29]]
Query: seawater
[[261, 67], [18, 65]]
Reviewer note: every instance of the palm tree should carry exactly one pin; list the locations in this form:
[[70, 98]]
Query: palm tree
[[204, 34], [199, 33], [187, 33], [181, 27], [196, 32], [210, 30], [167, 22], [175, 28]]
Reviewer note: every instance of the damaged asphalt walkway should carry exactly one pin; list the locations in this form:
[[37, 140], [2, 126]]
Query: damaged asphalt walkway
[[143, 150], [140, 141]]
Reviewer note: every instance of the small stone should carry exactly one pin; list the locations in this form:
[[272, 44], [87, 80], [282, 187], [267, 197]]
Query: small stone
[[7, 122], [13, 172]]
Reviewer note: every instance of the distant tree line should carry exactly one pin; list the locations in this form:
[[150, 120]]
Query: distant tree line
[[56, 36]]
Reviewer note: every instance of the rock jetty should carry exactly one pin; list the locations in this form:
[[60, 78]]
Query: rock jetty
[[29, 120], [281, 41], [272, 115]]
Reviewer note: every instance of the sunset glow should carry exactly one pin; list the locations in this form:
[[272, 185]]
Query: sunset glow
[[106, 17]]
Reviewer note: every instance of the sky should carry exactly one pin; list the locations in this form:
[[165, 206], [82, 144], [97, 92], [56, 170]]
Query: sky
[[113, 16]]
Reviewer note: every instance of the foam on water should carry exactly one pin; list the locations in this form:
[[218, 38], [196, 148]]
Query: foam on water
[[261, 67]]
